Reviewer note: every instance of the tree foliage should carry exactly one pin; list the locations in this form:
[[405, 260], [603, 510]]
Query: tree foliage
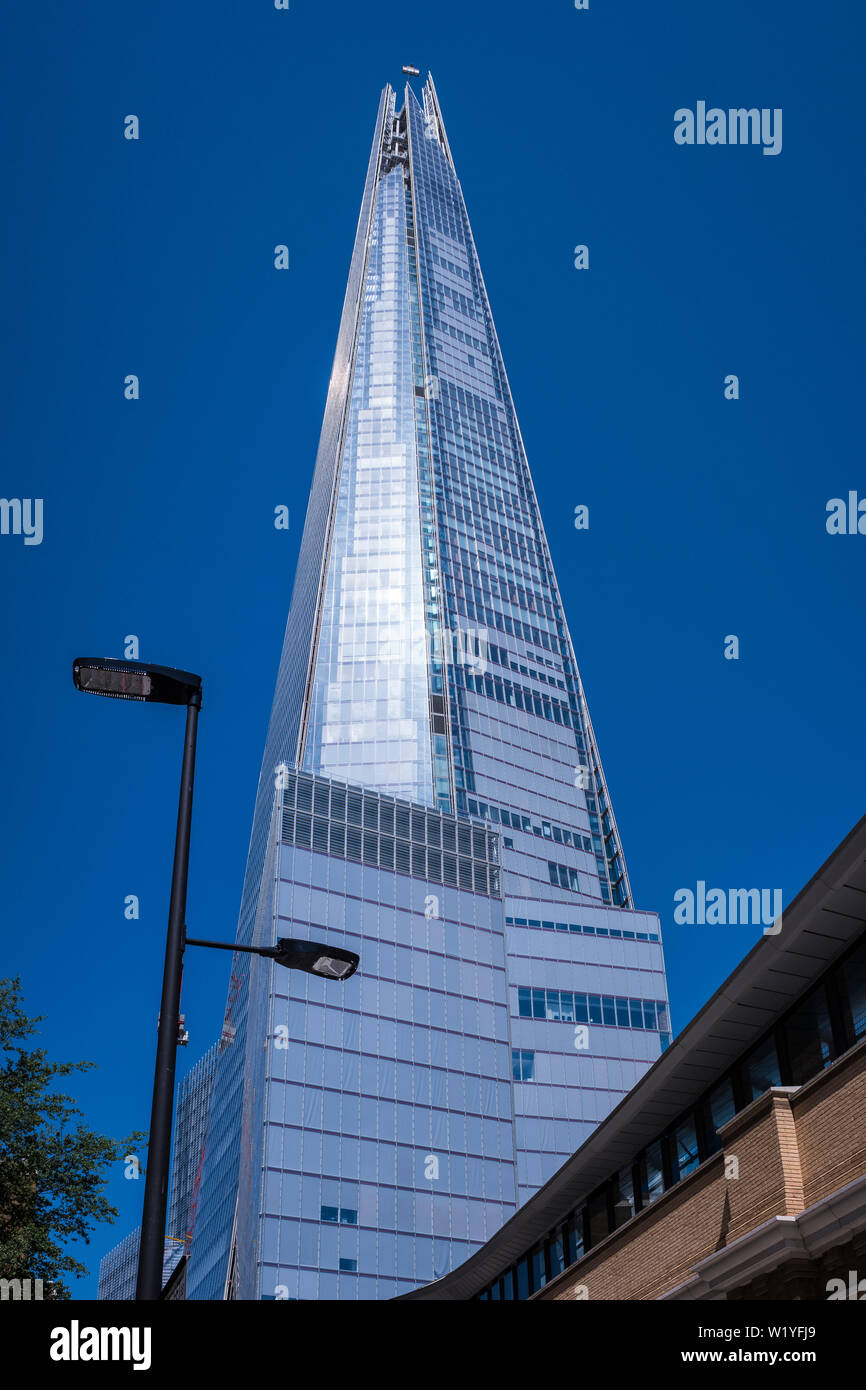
[[53, 1167]]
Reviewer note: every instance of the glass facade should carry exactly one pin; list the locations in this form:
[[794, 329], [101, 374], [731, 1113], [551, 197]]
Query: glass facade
[[118, 1270], [369, 717], [187, 1155], [428, 697]]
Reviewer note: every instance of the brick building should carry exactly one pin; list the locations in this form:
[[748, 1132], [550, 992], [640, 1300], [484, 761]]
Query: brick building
[[736, 1167]]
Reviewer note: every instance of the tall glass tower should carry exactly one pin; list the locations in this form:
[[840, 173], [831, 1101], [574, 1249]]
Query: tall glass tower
[[432, 796]]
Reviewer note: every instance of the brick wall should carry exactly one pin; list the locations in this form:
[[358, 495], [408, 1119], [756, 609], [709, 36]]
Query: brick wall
[[790, 1148]]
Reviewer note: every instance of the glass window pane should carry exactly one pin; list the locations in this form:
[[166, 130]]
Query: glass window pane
[[809, 1037], [852, 981], [596, 1210], [652, 1173], [623, 1198], [761, 1069], [685, 1148], [720, 1108], [574, 1246]]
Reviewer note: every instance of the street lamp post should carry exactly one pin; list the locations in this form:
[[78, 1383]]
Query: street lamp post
[[137, 680]]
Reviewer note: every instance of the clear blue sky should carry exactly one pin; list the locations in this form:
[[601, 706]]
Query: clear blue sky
[[707, 516]]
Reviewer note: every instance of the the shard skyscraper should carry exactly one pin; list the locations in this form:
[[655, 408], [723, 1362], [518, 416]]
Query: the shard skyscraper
[[431, 796]]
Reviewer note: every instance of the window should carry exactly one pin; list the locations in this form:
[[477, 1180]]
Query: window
[[522, 1064], [852, 979], [809, 1037], [539, 1270], [561, 876], [652, 1176], [761, 1069], [720, 1107], [348, 1266], [574, 1242], [685, 1148], [347, 1215], [596, 1212], [562, 1006], [509, 844], [623, 1198], [556, 1254]]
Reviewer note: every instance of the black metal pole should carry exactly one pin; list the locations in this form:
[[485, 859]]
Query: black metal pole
[[150, 1255]]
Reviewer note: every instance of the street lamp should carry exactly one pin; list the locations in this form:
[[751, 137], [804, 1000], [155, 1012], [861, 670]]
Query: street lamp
[[334, 962], [139, 680]]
